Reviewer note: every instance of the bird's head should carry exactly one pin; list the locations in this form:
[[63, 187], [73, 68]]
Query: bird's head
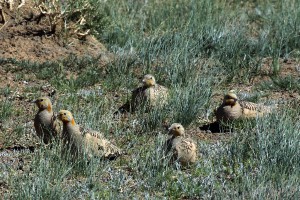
[[176, 129], [43, 103], [66, 117], [149, 80], [230, 98]]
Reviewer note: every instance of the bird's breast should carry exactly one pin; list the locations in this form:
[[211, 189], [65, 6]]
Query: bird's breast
[[228, 112]]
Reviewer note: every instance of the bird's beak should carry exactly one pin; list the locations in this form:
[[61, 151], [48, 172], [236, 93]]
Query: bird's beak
[[34, 101]]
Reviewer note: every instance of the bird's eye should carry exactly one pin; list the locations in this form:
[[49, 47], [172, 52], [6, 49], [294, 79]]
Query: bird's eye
[[65, 113], [42, 99], [178, 127], [150, 77]]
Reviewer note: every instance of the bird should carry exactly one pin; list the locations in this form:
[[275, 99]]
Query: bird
[[232, 109], [150, 94], [46, 125], [180, 147], [78, 140]]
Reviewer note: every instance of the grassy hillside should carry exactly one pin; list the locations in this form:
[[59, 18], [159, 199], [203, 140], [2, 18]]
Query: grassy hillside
[[199, 49]]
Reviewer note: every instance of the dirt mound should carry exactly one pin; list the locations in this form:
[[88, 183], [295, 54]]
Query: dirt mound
[[27, 32]]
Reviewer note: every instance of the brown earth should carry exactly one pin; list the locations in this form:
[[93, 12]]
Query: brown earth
[[27, 34]]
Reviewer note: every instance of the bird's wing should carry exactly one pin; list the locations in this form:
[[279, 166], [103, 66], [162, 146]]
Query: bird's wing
[[100, 145], [161, 90], [158, 94], [187, 146], [137, 96], [249, 105], [252, 109], [186, 150]]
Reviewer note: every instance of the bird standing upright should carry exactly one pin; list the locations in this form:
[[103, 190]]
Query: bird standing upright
[[46, 125]]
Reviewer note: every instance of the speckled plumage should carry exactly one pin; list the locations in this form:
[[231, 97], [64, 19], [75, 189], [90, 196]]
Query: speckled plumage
[[232, 109], [150, 94], [181, 148], [77, 140], [45, 123]]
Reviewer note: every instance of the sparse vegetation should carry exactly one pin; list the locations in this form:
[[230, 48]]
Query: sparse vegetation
[[287, 83], [6, 110], [198, 49]]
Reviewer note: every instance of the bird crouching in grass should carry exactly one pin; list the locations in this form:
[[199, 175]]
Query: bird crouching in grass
[[232, 109], [78, 141], [180, 147], [149, 95]]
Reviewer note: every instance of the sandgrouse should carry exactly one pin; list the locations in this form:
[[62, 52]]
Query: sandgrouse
[[180, 147], [78, 140], [45, 123], [149, 95], [232, 108]]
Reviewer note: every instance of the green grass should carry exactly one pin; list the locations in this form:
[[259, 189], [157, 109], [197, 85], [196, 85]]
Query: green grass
[[287, 83], [196, 49], [6, 110]]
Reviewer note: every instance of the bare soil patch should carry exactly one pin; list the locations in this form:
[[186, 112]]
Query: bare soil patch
[[27, 34]]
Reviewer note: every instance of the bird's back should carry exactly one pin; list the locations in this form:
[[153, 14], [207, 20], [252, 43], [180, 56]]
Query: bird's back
[[253, 109], [99, 146]]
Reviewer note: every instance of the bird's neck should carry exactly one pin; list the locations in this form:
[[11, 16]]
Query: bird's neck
[[73, 122], [49, 108], [69, 124], [149, 86], [177, 135], [230, 102]]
